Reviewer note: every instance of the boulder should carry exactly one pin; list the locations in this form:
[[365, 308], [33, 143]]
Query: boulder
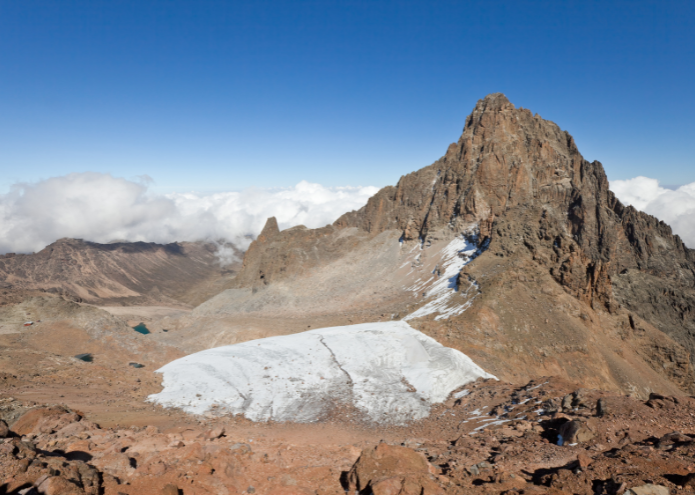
[[388, 486], [4, 429], [673, 438], [116, 464], [658, 401], [30, 419], [57, 485], [50, 424], [215, 433], [583, 460], [601, 407], [574, 431], [579, 398], [150, 444], [648, 489], [389, 469]]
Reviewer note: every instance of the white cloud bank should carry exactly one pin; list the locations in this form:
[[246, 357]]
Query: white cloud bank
[[676, 208], [102, 208]]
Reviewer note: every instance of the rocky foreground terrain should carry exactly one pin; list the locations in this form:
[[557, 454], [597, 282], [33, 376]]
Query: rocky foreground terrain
[[495, 438]]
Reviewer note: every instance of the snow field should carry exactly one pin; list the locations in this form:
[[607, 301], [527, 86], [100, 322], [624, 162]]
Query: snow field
[[387, 370]]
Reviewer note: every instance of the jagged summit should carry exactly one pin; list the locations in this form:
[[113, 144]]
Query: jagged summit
[[504, 157], [270, 229], [492, 102], [508, 160]]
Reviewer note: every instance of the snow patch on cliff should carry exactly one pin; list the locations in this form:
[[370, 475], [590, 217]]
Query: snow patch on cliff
[[445, 300]]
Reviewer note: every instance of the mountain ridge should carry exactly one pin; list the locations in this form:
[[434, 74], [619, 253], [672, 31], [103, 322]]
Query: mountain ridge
[[522, 184], [477, 203], [120, 273]]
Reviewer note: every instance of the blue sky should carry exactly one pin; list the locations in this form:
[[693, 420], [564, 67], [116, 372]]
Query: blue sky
[[211, 95]]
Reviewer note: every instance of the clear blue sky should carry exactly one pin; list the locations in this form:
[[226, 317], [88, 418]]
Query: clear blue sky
[[221, 95]]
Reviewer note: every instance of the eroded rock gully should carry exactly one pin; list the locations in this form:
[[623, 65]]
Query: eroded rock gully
[[492, 438]]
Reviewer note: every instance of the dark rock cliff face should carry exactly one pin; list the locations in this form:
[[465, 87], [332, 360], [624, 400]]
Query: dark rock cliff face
[[508, 161], [524, 182]]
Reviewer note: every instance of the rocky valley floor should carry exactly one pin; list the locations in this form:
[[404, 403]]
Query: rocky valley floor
[[85, 426], [492, 437]]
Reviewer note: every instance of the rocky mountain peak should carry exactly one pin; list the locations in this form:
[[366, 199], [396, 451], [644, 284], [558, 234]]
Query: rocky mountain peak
[[507, 160], [505, 157], [521, 184], [492, 103]]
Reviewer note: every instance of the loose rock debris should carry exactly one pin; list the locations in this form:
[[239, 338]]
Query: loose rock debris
[[498, 438]]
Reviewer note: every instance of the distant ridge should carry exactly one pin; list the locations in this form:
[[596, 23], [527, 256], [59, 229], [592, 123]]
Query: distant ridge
[[120, 272]]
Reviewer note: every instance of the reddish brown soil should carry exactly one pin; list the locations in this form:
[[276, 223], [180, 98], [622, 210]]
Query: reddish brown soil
[[498, 438]]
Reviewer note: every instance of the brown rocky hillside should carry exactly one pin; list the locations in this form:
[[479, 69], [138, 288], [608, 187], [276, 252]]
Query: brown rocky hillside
[[120, 273]]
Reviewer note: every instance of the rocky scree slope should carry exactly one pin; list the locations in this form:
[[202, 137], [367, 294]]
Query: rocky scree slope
[[550, 223], [493, 438], [120, 272]]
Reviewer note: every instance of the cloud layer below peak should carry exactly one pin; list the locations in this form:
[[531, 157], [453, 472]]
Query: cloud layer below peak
[[102, 208], [675, 207]]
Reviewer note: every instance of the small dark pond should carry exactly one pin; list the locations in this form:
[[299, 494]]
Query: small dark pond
[[86, 357], [141, 328]]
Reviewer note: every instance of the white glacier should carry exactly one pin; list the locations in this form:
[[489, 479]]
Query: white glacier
[[387, 370]]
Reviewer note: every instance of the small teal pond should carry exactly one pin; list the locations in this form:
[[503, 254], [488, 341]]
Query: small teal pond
[[141, 328]]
